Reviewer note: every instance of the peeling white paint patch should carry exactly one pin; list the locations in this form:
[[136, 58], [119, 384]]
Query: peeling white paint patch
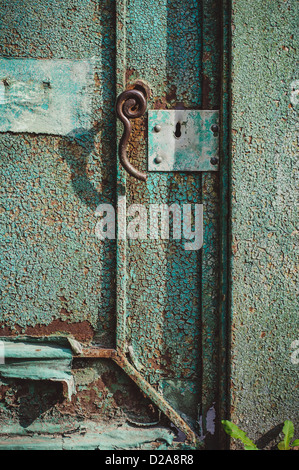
[[70, 383], [295, 354], [2, 93], [294, 92], [209, 423], [2, 353]]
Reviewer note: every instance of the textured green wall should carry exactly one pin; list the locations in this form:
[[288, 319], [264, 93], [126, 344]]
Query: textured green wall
[[264, 383], [55, 274]]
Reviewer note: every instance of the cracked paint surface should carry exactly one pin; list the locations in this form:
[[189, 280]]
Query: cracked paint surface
[[264, 204], [56, 275], [172, 293]]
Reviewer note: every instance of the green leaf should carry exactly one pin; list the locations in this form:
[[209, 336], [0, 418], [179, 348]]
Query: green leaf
[[295, 443], [251, 447], [281, 446], [235, 432], [288, 431]]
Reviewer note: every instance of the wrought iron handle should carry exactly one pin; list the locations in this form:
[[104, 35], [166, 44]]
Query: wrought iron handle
[[130, 104]]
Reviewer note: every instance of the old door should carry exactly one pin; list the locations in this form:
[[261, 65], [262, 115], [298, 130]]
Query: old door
[[129, 325]]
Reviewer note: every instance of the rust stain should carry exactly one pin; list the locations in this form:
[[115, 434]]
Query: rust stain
[[172, 94], [87, 402], [206, 90], [97, 80], [82, 331], [129, 74], [160, 103], [94, 352], [92, 402]]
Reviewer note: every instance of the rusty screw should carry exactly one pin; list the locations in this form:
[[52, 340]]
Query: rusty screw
[[214, 160], [214, 128]]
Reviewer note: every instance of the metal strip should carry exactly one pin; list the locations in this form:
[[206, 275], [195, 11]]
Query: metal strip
[[156, 398], [121, 246], [145, 387]]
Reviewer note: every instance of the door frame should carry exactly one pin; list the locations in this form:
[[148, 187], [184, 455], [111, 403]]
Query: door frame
[[118, 355]]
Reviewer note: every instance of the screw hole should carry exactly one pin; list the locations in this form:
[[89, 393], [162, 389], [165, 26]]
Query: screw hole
[[178, 131]]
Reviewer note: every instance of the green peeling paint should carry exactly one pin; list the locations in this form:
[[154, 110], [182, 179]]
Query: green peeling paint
[[56, 275], [167, 309], [91, 438], [153, 301], [264, 187], [29, 360]]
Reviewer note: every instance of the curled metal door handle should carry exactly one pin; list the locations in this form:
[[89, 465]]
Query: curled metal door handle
[[130, 104]]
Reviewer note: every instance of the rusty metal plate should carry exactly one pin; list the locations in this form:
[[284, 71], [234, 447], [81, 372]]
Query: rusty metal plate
[[180, 140], [45, 96]]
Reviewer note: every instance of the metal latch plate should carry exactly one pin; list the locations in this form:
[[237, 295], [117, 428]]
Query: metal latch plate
[[180, 140], [46, 96]]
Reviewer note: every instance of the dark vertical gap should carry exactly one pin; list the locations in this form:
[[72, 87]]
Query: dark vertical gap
[[211, 76]]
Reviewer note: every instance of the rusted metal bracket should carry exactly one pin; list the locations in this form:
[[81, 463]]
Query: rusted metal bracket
[[145, 387]]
